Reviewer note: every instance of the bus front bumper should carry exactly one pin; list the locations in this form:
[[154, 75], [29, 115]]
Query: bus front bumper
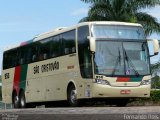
[[100, 91]]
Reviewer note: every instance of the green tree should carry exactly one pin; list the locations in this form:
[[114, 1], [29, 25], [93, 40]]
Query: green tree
[[155, 67], [124, 10], [155, 84], [155, 80]]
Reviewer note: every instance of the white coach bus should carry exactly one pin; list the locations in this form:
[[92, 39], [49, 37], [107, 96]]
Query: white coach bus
[[88, 61]]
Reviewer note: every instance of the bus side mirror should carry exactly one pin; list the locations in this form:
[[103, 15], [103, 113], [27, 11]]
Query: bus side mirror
[[155, 46], [92, 43]]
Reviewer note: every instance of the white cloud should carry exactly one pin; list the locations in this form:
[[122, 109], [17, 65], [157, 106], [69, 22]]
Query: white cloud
[[81, 11]]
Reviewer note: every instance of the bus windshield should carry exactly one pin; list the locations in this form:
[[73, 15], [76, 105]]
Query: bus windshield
[[121, 58], [117, 32]]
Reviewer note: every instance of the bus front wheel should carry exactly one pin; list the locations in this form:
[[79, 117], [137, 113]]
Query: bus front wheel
[[72, 96]]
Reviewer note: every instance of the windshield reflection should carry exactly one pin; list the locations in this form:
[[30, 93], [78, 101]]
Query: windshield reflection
[[121, 58], [118, 31]]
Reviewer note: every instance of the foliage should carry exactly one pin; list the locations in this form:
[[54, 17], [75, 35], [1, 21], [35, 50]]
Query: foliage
[[125, 11], [154, 99], [155, 83], [155, 67], [155, 80], [154, 96]]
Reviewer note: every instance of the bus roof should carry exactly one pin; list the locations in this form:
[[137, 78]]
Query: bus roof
[[65, 29]]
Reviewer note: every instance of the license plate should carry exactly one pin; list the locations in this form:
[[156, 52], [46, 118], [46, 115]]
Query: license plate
[[125, 91]]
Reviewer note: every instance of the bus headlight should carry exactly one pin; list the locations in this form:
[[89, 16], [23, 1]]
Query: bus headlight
[[145, 82], [103, 82]]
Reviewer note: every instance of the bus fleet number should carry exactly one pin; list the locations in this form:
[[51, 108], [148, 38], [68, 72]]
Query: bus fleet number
[[6, 75]]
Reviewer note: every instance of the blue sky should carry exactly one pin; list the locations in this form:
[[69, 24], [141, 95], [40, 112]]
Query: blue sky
[[21, 20]]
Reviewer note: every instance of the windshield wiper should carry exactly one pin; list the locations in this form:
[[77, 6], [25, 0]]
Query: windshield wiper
[[126, 57], [117, 62]]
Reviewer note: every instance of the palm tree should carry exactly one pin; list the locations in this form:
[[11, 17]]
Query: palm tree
[[124, 10]]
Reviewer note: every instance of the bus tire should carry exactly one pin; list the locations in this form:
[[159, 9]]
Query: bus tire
[[15, 100], [22, 100], [72, 96]]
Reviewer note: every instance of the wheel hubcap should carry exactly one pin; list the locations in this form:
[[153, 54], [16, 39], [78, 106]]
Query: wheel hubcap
[[73, 96], [16, 99], [22, 102]]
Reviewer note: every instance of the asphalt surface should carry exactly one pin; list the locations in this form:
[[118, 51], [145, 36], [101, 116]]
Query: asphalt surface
[[83, 113]]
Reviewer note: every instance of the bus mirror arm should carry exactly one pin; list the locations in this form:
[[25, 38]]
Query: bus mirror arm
[[92, 44], [153, 55]]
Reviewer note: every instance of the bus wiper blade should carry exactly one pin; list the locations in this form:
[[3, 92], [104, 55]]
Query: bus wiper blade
[[117, 62], [129, 61]]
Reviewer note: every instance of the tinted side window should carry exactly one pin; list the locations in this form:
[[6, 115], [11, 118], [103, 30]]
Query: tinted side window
[[45, 49], [55, 46], [84, 52], [34, 52], [5, 60], [28, 54], [9, 58], [68, 42]]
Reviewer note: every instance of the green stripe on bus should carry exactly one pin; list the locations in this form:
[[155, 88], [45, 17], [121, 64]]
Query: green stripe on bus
[[23, 77], [136, 79]]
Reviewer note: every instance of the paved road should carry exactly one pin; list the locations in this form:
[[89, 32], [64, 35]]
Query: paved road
[[85, 113]]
